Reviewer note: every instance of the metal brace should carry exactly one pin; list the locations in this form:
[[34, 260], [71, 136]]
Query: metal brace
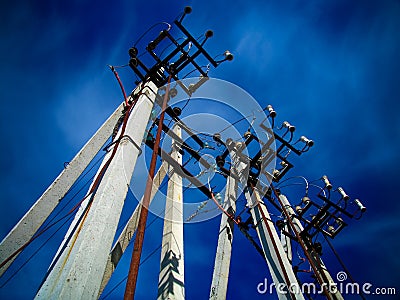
[[107, 148], [132, 141]]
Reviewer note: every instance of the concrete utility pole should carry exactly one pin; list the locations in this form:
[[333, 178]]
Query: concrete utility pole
[[129, 230], [78, 272], [287, 243], [275, 256], [278, 263], [322, 270], [171, 282], [219, 285], [25, 229]]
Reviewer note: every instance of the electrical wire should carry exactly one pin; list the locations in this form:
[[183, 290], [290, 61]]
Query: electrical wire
[[77, 193], [341, 263], [126, 277], [84, 174], [34, 253], [234, 123], [144, 260], [168, 46], [150, 28], [120, 84], [49, 221], [300, 183]]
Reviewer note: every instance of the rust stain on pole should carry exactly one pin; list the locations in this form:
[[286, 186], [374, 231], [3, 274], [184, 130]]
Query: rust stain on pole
[[138, 245]]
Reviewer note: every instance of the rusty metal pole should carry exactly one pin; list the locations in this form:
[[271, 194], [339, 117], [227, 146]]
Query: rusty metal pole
[[138, 245]]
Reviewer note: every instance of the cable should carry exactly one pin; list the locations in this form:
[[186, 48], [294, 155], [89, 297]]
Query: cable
[[48, 222], [150, 28], [121, 66], [341, 263], [299, 183], [84, 174], [120, 84], [168, 46], [80, 190], [230, 125], [122, 281], [221, 208], [184, 106], [195, 69], [293, 177], [34, 253]]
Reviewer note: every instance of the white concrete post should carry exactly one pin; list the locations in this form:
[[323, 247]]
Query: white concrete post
[[24, 230], [171, 282], [130, 229], [335, 293], [219, 284], [79, 271]]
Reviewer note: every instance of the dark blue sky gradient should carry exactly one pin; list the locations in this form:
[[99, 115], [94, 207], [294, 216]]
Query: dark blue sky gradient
[[330, 67]]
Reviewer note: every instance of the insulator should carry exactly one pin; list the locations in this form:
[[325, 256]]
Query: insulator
[[339, 221], [252, 180], [247, 134], [217, 137], [133, 52], [307, 141], [280, 224], [283, 164], [258, 164], [328, 185], [228, 55], [218, 198], [318, 248], [209, 33], [191, 88], [276, 173], [133, 62], [331, 229], [153, 44], [177, 111], [187, 10], [173, 92], [305, 200], [220, 161], [272, 112], [239, 146], [229, 143], [299, 209], [360, 205], [288, 126], [343, 193]]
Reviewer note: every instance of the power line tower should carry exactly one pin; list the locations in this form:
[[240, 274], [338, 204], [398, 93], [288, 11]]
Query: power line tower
[[87, 256]]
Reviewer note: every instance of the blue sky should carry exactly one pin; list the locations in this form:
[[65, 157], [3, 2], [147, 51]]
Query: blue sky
[[330, 67]]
